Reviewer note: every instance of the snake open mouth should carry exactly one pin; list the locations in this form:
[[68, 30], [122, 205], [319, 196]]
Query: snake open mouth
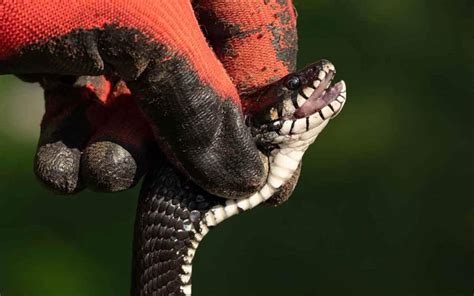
[[319, 96], [314, 100], [307, 101], [322, 98]]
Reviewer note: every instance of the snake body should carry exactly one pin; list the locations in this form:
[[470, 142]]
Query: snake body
[[174, 215]]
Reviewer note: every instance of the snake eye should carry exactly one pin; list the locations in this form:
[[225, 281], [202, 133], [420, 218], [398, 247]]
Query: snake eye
[[293, 83]]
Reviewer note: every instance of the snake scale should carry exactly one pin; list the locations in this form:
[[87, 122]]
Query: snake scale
[[174, 215]]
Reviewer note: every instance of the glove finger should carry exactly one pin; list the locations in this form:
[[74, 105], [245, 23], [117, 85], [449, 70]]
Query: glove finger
[[65, 130], [120, 151], [256, 43]]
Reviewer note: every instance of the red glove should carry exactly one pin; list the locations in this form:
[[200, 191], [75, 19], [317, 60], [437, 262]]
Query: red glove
[[158, 49]]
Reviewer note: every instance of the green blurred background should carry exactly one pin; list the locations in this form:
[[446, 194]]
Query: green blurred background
[[385, 205]]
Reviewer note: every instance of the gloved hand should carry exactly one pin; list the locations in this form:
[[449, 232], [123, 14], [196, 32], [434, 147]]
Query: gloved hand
[[86, 52]]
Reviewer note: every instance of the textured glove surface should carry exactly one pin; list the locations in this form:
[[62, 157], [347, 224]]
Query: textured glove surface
[[186, 89]]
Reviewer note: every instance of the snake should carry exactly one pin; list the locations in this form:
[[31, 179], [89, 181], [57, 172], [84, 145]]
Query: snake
[[174, 215]]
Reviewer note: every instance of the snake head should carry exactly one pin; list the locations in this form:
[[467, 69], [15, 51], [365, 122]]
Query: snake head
[[296, 104], [284, 98]]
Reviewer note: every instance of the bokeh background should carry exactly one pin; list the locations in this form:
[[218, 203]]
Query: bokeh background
[[385, 204]]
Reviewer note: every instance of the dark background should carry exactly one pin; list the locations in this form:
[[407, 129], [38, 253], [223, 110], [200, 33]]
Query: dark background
[[385, 205]]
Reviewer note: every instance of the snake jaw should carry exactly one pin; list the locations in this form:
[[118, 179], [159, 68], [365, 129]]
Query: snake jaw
[[312, 95], [282, 98], [310, 108]]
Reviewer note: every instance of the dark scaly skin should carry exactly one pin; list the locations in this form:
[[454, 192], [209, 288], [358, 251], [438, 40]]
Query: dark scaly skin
[[167, 203], [171, 208]]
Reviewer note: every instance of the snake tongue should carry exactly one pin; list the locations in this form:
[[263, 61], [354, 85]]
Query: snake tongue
[[317, 93], [317, 101]]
